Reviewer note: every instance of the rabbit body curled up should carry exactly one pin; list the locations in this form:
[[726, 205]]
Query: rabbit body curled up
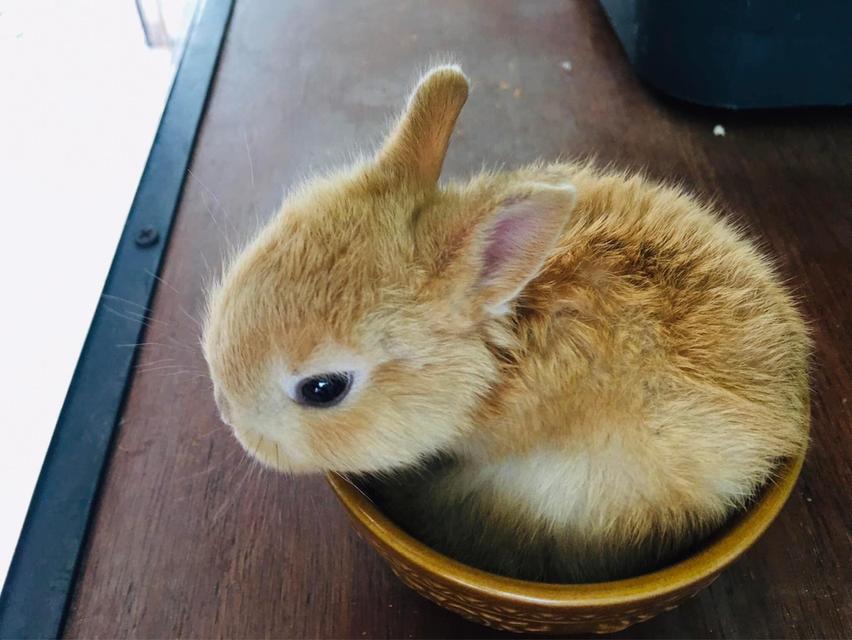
[[603, 368]]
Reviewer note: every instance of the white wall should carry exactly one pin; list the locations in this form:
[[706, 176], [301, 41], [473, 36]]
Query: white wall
[[80, 99]]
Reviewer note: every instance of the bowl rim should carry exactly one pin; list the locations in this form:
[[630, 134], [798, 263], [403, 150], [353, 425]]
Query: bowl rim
[[721, 551]]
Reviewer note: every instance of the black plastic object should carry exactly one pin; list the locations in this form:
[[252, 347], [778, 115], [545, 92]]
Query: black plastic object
[[41, 576], [740, 54]]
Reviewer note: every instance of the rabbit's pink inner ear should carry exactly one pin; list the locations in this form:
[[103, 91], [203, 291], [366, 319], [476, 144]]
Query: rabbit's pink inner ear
[[514, 234], [521, 235]]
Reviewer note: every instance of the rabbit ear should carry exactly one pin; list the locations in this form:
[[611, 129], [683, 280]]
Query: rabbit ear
[[415, 148], [511, 244]]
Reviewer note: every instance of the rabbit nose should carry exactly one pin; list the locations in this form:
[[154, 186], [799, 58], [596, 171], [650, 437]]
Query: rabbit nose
[[223, 406]]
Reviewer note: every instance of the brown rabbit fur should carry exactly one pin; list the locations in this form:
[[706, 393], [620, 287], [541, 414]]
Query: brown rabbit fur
[[605, 367]]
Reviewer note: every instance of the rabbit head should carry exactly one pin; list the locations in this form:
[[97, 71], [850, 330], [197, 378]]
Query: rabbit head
[[349, 334]]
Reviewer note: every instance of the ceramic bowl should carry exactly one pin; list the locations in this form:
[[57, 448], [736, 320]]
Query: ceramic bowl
[[533, 607]]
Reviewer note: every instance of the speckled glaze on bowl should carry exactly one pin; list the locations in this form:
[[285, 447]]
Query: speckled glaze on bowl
[[533, 607]]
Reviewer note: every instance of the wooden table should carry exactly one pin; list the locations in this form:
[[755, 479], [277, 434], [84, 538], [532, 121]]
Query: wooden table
[[190, 539]]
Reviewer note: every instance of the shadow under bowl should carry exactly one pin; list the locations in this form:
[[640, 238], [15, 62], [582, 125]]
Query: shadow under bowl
[[535, 607]]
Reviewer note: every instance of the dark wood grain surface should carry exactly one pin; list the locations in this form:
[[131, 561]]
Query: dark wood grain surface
[[191, 540]]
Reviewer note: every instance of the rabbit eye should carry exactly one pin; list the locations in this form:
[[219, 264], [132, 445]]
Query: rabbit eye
[[324, 390]]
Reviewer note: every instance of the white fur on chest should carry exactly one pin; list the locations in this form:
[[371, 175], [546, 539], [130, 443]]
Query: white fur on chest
[[579, 490]]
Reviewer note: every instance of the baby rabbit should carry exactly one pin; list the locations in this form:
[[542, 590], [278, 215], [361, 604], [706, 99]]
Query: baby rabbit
[[602, 368]]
